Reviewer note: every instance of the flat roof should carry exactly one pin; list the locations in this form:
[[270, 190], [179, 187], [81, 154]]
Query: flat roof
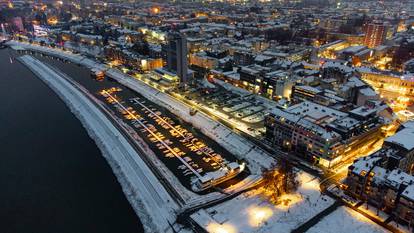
[[403, 138]]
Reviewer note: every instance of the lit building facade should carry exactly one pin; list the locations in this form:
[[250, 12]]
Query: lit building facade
[[375, 35], [322, 134], [384, 179]]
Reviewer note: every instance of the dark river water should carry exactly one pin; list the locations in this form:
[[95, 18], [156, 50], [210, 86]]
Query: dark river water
[[53, 177]]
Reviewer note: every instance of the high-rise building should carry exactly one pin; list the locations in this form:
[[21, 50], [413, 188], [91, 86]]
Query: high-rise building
[[177, 56], [375, 35]]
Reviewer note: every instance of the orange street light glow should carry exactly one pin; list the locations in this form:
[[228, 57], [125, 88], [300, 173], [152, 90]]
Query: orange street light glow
[[220, 228], [258, 215], [156, 10]]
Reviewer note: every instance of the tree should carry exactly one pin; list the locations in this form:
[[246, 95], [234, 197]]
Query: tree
[[280, 179]]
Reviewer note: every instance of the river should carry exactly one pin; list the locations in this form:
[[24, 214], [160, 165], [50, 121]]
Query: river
[[53, 177]]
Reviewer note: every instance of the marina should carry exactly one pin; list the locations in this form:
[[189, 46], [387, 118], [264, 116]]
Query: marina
[[198, 162]]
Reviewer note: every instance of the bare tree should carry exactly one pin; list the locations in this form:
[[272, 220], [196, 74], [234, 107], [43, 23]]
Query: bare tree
[[280, 179]]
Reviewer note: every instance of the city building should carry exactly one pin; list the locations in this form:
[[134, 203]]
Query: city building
[[397, 88], [323, 134], [384, 179], [408, 66], [375, 35], [176, 50], [398, 149]]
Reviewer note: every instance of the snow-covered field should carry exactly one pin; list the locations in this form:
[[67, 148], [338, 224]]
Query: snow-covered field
[[345, 220], [252, 213]]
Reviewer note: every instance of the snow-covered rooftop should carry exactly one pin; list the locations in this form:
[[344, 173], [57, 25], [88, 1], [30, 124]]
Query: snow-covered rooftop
[[398, 177], [409, 192], [404, 137], [364, 164], [368, 91]]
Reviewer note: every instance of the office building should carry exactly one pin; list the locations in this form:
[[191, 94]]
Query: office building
[[176, 51]]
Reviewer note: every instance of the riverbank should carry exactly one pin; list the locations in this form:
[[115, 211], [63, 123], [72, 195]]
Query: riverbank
[[147, 196], [54, 178]]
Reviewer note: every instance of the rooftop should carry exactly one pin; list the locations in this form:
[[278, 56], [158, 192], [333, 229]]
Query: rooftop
[[404, 137]]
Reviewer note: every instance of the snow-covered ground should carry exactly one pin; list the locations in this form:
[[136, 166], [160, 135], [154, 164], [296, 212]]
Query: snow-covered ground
[[402, 228], [248, 111], [382, 216], [151, 201], [372, 211], [345, 220], [255, 118], [252, 213], [237, 107]]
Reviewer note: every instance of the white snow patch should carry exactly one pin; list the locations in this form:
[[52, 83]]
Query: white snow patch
[[252, 213], [345, 220]]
